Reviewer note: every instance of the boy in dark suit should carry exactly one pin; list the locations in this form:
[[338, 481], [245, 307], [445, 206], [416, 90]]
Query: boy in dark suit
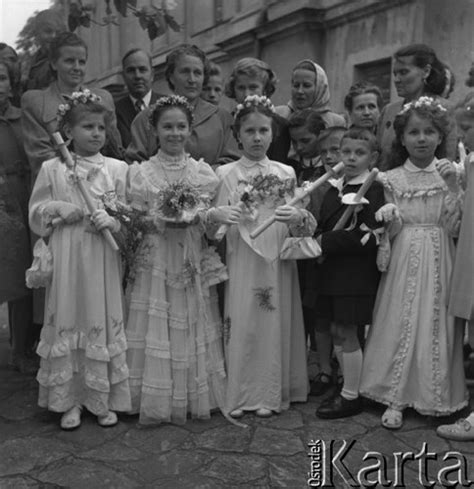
[[349, 275]]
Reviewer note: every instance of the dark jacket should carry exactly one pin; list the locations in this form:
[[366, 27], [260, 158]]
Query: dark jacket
[[15, 255], [126, 112], [349, 267], [280, 146]]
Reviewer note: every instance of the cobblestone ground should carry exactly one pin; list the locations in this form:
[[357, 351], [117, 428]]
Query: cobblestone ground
[[269, 453]]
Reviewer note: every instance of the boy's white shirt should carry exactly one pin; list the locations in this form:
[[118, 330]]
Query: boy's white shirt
[[357, 180]]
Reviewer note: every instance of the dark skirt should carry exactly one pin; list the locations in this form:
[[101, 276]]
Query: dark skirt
[[345, 309]]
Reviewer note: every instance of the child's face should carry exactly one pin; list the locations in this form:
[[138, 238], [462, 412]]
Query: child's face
[[255, 135], [420, 138], [213, 90], [7, 54], [356, 156], [5, 87], [88, 134], [46, 33], [173, 131], [466, 130], [365, 111], [304, 142], [245, 86], [330, 149]]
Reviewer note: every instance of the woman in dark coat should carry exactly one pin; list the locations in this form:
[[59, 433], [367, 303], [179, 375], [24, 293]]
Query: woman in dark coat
[[15, 255]]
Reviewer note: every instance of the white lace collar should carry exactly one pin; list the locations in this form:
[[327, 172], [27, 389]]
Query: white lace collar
[[170, 162], [96, 159], [411, 167], [247, 163]]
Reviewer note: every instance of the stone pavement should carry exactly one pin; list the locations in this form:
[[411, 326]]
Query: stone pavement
[[269, 453]]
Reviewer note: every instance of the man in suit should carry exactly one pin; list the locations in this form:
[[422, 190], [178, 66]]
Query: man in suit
[[137, 73]]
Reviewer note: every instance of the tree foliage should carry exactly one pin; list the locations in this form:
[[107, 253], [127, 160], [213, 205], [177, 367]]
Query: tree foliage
[[154, 19]]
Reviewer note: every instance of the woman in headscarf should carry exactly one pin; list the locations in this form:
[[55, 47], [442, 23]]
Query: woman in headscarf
[[310, 89]]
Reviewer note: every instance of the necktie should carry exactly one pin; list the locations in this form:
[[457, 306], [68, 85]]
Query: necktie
[[139, 105]]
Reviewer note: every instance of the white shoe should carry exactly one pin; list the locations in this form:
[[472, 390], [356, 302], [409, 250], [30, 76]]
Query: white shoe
[[107, 421], [236, 413], [71, 419]]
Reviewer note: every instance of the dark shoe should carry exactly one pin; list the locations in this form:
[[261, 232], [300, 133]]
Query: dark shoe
[[321, 384], [23, 364], [339, 382], [339, 407]]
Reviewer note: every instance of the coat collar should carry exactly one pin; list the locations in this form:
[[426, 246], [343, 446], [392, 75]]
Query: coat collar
[[52, 97], [202, 111], [12, 113]]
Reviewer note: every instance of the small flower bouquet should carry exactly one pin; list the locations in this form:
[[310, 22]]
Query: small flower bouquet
[[264, 188], [179, 202], [134, 226], [256, 191]]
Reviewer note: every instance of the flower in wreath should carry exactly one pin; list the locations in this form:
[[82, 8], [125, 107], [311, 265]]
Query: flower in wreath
[[255, 101], [169, 101], [76, 98], [428, 102]]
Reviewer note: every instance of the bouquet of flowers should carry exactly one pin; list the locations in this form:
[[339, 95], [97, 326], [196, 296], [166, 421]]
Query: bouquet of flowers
[[135, 224], [179, 202], [264, 188], [258, 190]]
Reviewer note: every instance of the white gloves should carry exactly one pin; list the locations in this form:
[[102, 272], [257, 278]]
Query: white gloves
[[225, 214], [102, 220], [69, 213], [289, 214], [387, 213]]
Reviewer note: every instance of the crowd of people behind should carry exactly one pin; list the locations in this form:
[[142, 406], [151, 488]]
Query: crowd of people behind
[[367, 259]]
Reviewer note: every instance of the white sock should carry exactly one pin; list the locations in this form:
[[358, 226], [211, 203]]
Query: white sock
[[470, 418], [339, 355], [352, 374]]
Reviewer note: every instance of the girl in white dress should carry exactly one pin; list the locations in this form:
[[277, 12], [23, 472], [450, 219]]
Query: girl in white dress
[[174, 331], [413, 357], [82, 346], [265, 346]]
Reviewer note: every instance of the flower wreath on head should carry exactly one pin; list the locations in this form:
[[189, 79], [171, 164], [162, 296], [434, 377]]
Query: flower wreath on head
[[254, 101], [428, 102], [75, 99], [171, 101]]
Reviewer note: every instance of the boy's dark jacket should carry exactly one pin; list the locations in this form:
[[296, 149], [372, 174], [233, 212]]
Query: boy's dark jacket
[[349, 267]]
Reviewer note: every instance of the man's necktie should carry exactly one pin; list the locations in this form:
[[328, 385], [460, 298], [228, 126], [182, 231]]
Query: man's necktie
[[139, 105]]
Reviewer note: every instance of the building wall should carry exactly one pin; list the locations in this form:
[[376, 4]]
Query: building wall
[[338, 34]]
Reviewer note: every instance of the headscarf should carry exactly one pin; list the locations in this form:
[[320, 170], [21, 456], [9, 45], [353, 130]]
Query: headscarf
[[321, 95]]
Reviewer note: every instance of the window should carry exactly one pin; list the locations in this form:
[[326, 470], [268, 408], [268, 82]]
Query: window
[[377, 72]]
